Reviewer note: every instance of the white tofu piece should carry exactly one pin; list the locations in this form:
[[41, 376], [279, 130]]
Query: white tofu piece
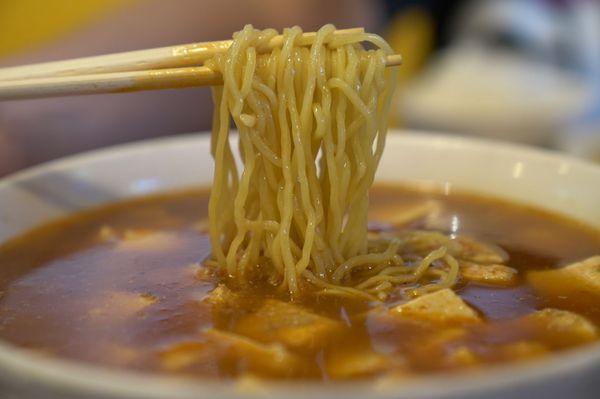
[[423, 242], [433, 337], [489, 274], [577, 278], [273, 358], [440, 306], [587, 271], [479, 252], [118, 305], [292, 325], [562, 327], [221, 345], [357, 363]]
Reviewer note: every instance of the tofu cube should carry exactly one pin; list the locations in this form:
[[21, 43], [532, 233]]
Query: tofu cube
[[488, 274], [479, 252], [292, 325], [579, 278], [562, 327], [440, 306], [344, 364], [255, 356], [587, 271], [244, 354]]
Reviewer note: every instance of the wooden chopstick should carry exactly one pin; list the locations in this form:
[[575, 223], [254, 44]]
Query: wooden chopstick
[[119, 82], [193, 54]]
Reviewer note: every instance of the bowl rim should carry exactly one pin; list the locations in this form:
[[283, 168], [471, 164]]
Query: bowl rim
[[414, 136], [72, 376]]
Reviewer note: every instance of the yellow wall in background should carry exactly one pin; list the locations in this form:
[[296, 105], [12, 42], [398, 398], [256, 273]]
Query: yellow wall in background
[[410, 33], [27, 23]]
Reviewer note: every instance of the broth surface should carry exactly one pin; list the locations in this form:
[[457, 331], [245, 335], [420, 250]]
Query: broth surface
[[124, 286]]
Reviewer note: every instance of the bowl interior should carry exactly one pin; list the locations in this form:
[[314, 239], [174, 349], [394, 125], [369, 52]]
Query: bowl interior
[[547, 180]]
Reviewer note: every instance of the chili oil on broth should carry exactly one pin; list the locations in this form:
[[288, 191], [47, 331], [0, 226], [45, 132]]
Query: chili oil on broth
[[123, 286]]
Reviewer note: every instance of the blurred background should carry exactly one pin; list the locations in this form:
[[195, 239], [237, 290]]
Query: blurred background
[[519, 70]]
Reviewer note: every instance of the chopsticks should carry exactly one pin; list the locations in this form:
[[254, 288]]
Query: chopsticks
[[153, 69], [193, 54], [118, 82]]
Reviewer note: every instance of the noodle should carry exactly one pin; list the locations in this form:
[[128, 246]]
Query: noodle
[[312, 123]]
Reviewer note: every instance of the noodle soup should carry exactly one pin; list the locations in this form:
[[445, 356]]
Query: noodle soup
[[292, 267], [126, 286]]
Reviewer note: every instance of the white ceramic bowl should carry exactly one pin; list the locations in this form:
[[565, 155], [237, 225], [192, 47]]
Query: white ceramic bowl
[[549, 180]]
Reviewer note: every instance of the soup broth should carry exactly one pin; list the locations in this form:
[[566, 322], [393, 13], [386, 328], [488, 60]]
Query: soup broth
[[125, 286]]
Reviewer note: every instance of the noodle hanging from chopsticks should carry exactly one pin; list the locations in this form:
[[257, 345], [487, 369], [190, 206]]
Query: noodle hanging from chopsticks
[[312, 124]]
